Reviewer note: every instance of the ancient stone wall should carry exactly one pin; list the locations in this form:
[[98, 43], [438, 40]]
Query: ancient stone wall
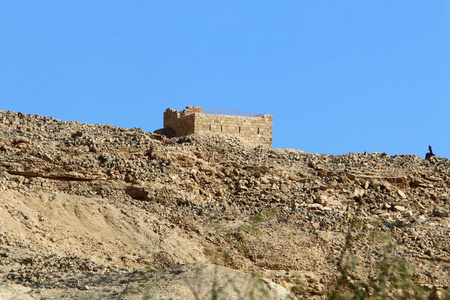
[[181, 122], [255, 130]]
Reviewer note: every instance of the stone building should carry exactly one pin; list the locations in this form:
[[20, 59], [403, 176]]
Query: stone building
[[256, 129]]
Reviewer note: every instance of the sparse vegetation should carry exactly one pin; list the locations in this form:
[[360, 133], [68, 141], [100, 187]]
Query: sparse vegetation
[[237, 287], [264, 215], [257, 218], [392, 278], [241, 250], [250, 229]]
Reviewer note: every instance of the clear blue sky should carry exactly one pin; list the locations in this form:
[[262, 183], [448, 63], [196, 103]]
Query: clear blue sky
[[338, 76]]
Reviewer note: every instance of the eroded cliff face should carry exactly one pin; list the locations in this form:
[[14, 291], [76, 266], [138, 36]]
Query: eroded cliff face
[[105, 198]]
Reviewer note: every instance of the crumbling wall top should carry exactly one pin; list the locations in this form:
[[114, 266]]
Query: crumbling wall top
[[171, 113]]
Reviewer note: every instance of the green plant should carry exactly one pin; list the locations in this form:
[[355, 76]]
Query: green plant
[[298, 288], [270, 212], [257, 218], [392, 278], [226, 258], [241, 250], [249, 229], [264, 214]]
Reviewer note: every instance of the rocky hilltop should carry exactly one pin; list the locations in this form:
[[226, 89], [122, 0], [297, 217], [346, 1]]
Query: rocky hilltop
[[86, 211]]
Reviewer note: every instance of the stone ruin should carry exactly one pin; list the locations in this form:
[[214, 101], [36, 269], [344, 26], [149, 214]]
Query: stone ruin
[[255, 129]]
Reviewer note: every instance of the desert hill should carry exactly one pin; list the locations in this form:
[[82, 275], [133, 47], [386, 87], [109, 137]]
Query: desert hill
[[84, 208]]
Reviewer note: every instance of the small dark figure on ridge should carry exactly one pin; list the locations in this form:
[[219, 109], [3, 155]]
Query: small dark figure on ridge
[[430, 154]]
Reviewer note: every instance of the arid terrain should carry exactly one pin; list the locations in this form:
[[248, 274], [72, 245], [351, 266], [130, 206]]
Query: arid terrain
[[100, 212]]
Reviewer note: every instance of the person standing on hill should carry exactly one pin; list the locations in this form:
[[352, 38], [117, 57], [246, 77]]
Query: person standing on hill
[[430, 154]]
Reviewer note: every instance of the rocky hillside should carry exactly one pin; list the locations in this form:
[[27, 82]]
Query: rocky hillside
[[83, 206]]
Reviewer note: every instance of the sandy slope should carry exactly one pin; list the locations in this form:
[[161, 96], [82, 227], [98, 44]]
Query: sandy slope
[[69, 225]]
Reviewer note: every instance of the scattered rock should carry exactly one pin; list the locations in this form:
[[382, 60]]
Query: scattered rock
[[399, 208], [401, 194], [441, 212], [83, 206]]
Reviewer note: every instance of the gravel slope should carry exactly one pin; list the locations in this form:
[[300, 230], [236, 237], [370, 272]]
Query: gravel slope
[[81, 202]]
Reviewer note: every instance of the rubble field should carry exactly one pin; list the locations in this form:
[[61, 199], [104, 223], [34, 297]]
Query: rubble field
[[94, 211]]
